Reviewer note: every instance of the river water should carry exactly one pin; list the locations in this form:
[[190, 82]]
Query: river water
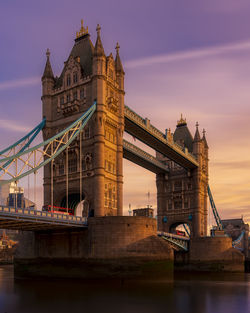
[[227, 293]]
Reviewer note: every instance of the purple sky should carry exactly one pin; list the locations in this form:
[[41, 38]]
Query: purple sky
[[190, 57]]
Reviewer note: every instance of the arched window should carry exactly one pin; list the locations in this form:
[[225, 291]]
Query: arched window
[[82, 94], [72, 165], [75, 77], [68, 80], [75, 95]]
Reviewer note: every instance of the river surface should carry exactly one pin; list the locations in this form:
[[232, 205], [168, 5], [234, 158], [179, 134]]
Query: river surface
[[215, 293]]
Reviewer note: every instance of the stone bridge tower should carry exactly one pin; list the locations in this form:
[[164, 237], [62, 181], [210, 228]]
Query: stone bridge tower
[[88, 75], [182, 194]]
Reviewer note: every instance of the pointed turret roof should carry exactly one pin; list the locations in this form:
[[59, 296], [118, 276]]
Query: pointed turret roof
[[197, 136], [82, 51], [204, 138], [48, 73], [99, 51], [118, 62], [182, 134]]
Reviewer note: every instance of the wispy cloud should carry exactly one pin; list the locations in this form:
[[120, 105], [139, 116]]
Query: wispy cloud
[[191, 54], [13, 126], [23, 82]]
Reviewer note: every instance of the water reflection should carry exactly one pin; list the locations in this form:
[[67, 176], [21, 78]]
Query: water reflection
[[188, 294]]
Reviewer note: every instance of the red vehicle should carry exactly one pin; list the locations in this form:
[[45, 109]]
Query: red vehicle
[[57, 209], [180, 233]]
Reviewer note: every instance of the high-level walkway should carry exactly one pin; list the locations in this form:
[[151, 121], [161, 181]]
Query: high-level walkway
[[142, 129], [142, 158]]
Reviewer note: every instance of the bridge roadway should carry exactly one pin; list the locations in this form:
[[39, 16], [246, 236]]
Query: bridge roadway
[[179, 243], [142, 129], [28, 219]]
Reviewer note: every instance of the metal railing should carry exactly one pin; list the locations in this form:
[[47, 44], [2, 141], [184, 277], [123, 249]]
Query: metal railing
[[177, 241], [145, 123], [144, 155], [51, 217]]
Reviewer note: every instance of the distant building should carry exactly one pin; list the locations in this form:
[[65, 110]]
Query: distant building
[[4, 193], [234, 228], [16, 197], [148, 212], [13, 196]]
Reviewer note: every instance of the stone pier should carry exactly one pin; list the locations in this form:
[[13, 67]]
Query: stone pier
[[113, 247]]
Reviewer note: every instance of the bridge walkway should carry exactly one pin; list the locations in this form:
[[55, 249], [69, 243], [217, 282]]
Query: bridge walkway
[[142, 129]]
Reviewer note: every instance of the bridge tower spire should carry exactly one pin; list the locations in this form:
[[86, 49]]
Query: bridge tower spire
[[200, 175], [48, 81]]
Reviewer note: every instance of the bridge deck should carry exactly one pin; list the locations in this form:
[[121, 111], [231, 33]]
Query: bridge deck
[[27, 219], [141, 128]]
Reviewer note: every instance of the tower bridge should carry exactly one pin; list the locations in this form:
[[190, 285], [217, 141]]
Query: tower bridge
[[84, 120]]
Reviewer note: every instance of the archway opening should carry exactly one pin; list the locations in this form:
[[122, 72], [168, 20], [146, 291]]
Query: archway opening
[[180, 228], [73, 203]]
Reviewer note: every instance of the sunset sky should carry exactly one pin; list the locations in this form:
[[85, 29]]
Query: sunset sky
[[190, 57]]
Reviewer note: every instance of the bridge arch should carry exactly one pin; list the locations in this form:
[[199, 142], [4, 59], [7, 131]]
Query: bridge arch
[[186, 227], [74, 201]]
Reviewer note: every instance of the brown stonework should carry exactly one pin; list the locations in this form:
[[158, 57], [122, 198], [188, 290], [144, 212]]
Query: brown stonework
[[110, 247], [88, 75], [182, 194]]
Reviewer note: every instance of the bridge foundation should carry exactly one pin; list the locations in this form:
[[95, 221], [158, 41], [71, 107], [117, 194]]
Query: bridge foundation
[[115, 247], [210, 254]]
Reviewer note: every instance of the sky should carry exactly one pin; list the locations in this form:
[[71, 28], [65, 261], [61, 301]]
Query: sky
[[190, 57]]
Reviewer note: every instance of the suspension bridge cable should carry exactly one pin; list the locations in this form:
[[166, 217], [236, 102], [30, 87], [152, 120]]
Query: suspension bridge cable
[[29, 191], [67, 177], [35, 179], [80, 167], [34, 131], [24, 157], [52, 180]]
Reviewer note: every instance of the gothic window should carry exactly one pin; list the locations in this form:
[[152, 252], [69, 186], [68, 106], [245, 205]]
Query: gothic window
[[61, 169], [178, 186], [110, 194], [86, 133], [68, 80], [111, 74], [62, 100], [75, 95], [178, 204], [72, 165], [109, 166], [68, 97], [81, 93], [75, 77], [170, 205], [83, 165]]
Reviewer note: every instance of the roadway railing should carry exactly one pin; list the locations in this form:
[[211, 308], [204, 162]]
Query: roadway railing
[[13, 213], [180, 243]]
